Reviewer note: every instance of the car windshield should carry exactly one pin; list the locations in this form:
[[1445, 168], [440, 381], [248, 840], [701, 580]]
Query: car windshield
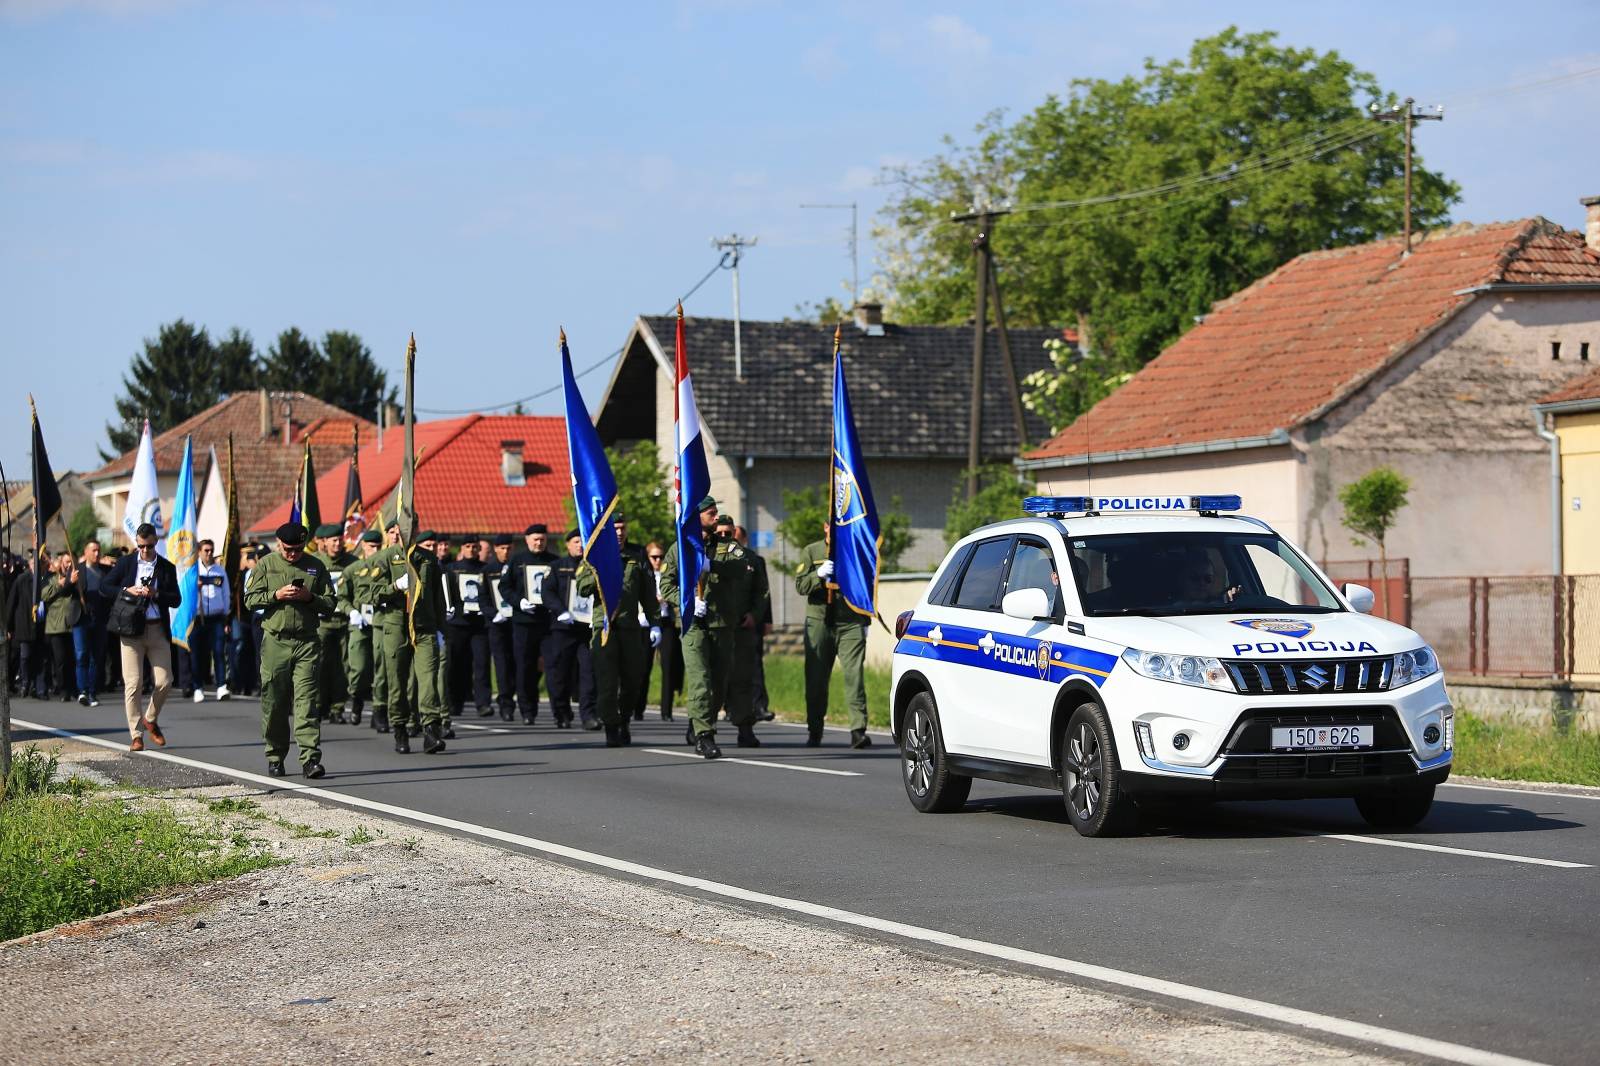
[[1201, 572]]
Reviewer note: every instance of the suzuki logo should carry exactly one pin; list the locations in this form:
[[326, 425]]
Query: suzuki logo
[[1315, 676]]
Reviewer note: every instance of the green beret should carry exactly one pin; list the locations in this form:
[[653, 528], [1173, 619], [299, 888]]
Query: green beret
[[329, 529], [372, 536], [706, 504]]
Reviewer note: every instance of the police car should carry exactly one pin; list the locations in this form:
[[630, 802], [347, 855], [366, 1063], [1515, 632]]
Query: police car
[[1131, 649]]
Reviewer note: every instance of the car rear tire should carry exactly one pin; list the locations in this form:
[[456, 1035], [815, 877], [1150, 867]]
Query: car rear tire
[[1090, 776], [1400, 810], [924, 768]]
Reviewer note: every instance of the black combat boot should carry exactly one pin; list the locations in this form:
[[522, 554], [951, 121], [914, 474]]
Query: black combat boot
[[355, 711], [591, 724], [625, 733], [380, 719], [859, 739], [706, 745], [613, 737], [414, 728], [432, 742], [813, 738], [688, 734], [748, 738], [449, 732], [507, 714], [485, 712], [402, 743]]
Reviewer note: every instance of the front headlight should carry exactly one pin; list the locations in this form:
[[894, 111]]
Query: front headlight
[[1201, 671], [1412, 666]]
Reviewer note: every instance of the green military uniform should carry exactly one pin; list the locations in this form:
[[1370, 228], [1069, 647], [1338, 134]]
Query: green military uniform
[[290, 652], [746, 681], [363, 675], [733, 590], [423, 598], [331, 632], [63, 607], [622, 656], [833, 631]]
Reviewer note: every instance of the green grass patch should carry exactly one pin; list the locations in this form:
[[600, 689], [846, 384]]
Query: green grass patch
[[1518, 751], [65, 856], [786, 691], [234, 805], [359, 835]]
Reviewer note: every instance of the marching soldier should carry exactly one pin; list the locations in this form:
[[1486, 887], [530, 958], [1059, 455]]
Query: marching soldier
[[620, 656], [530, 622], [410, 596], [363, 677], [728, 599], [833, 630], [567, 661], [294, 594], [496, 594], [332, 629]]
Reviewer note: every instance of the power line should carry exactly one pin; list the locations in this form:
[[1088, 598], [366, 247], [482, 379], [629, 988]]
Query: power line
[[721, 264]]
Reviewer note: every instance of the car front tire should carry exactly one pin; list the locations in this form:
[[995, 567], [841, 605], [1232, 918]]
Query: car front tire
[[924, 767], [1090, 776], [1401, 810]]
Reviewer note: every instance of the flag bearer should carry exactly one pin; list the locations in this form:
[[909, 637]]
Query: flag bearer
[[412, 602], [620, 656], [833, 631]]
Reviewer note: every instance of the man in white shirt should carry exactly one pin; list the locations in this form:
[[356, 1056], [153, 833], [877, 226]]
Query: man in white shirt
[[208, 646]]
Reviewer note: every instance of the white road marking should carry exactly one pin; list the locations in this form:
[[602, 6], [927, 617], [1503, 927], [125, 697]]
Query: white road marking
[[1294, 1016], [1412, 844], [755, 762], [1523, 791], [481, 728]]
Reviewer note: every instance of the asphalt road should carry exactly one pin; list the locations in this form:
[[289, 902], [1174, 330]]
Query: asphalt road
[[1296, 904]]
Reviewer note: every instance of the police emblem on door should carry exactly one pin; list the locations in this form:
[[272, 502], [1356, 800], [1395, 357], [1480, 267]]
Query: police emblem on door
[[1043, 664]]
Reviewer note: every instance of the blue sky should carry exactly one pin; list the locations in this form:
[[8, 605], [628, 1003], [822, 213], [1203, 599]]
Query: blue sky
[[483, 173]]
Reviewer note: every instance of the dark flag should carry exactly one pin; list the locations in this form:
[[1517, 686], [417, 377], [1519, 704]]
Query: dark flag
[[594, 492], [853, 546], [355, 520], [46, 493], [305, 509]]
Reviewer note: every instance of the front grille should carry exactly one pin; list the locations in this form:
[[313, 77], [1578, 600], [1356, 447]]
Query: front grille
[[1316, 767], [1252, 734], [1309, 677]]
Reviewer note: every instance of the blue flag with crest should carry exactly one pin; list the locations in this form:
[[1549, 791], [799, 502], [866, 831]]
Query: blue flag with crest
[[594, 496], [182, 549], [854, 542]]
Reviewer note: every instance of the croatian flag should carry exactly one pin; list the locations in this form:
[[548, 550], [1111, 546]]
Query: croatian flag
[[691, 482]]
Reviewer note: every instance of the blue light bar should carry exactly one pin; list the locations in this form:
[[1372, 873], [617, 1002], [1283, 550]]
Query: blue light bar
[[1064, 505]]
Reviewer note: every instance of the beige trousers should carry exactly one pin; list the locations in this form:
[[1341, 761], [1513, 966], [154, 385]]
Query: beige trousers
[[152, 642]]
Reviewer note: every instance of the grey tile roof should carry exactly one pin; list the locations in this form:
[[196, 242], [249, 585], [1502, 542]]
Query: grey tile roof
[[909, 388]]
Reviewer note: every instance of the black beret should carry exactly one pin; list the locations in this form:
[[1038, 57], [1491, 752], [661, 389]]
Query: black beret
[[291, 533], [724, 520], [502, 538], [462, 542], [537, 527], [573, 533], [329, 529], [372, 536]]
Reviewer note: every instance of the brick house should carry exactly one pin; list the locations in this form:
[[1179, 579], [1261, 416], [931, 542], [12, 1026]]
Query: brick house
[[1344, 360], [475, 474], [770, 429]]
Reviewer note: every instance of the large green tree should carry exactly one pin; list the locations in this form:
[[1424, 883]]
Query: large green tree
[[350, 378], [177, 376], [292, 362], [1256, 151]]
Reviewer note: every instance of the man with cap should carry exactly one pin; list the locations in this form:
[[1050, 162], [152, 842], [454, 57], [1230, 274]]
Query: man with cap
[[332, 629], [619, 656], [567, 660], [294, 594], [496, 573], [356, 603], [411, 601], [530, 621], [466, 630], [833, 631], [728, 598]]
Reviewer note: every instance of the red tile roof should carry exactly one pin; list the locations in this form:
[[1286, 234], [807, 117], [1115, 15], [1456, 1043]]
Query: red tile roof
[[266, 467], [460, 487], [1584, 388], [1298, 341]]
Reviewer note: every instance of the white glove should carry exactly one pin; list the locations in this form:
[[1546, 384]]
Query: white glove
[[655, 636], [699, 607], [356, 619], [825, 571], [402, 582], [449, 613], [502, 614], [564, 616], [527, 606]]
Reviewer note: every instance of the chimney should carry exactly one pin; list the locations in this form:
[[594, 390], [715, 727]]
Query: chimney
[[288, 422], [511, 463], [1591, 225], [266, 415], [869, 318]]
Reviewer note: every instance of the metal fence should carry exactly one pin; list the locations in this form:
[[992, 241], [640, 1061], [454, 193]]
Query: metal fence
[[1545, 626], [1391, 597]]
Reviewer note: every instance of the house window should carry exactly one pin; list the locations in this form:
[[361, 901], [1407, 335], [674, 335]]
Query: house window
[[511, 463], [1555, 349], [1583, 351]]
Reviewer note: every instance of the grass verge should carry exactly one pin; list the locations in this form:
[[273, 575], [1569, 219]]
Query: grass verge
[[786, 691], [1515, 751], [67, 854]]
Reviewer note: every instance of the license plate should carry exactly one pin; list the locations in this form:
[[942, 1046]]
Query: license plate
[[1320, 737]]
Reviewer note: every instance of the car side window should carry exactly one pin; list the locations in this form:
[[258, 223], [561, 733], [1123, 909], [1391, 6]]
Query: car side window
[[1033, 568], [946, 585], [979, 589]]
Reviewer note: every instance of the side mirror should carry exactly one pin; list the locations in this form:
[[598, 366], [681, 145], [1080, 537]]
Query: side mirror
[[1360, 598], [1026, 604]]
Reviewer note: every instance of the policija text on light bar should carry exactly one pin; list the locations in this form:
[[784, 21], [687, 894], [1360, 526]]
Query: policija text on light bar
[[1063, 505]]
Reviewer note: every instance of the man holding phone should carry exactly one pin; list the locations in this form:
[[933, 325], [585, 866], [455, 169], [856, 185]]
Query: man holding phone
[[294, 593], [150, 585]]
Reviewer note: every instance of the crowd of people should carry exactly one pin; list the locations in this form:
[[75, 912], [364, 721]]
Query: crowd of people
[[333, 632]]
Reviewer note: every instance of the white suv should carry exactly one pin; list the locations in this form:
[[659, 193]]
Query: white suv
[[1125, 648]]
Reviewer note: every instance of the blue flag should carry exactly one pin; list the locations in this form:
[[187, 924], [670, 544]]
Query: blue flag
[[691, 480], [594, 493], [181, 549], [854, 544]]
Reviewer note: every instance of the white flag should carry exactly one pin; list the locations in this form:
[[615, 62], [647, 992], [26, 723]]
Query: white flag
[[213, 524], [144, 494]]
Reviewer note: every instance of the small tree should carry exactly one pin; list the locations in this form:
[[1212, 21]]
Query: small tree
[[642, 487], [1370, 507], [805, 510], [83, 525], [1075, 381], [1001, 488]]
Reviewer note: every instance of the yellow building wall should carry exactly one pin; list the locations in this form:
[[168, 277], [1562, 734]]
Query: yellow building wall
[[1580, 491]]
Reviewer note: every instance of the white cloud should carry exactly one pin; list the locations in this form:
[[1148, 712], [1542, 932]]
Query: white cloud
[[959, 37]]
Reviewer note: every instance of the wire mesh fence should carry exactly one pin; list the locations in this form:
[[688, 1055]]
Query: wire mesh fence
[[1543, 626]]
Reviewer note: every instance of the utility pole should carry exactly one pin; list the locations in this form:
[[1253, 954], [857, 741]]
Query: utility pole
[[1408, 114], [732, 248], [984, 269], [855, 259]]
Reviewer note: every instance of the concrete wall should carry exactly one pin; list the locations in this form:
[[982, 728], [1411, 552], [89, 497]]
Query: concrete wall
[[1580, 491], [896, 593]]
